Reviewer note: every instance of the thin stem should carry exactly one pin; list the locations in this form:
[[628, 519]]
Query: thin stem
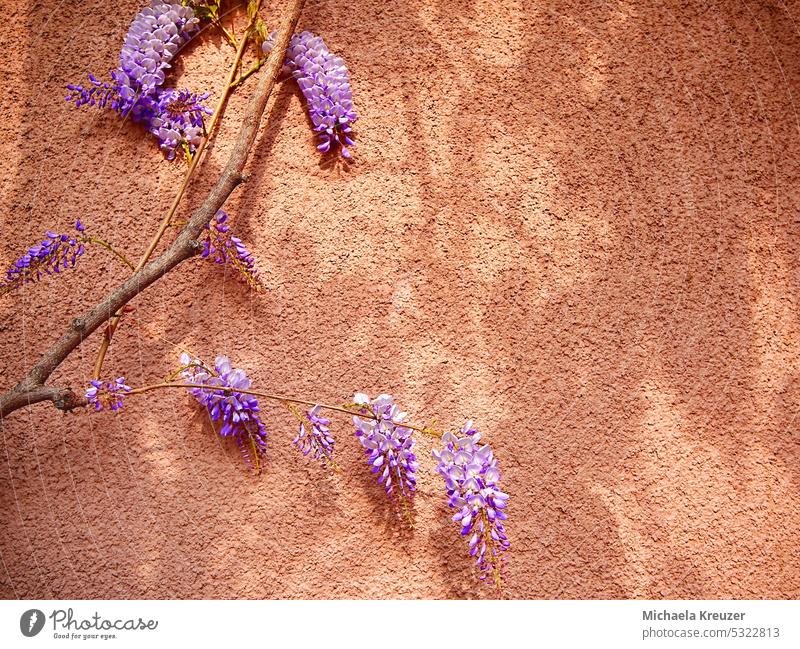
[[231, 38], [277, 397], [195, 160], [250, 71], [110, 248], [254, 453], [182, 369], [199, 151]]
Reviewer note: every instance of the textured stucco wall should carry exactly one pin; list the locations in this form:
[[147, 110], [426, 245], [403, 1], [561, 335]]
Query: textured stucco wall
[[575, 222]]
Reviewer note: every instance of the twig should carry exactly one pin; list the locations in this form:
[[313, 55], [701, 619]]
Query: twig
[[251, 70], [231, 38], [276, 397], [195, 160], [31, 388], [110, 248]]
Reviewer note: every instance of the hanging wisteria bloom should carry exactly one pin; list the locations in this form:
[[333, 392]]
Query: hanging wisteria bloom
[[173, 117], [314, 436], [155, 35], [221, 247], [237, 412], [56, 253], [472, 480], [324, 81], [388, 444], [107, 394], [153, 39]]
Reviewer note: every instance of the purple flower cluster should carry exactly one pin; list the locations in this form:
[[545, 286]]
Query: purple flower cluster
[[56, 253], [237, 412], [222, 247], [153, 39], [174, 117], [315, 438], [472, 482], [107, 394], [177, 120], [388, 444], [325, 82]]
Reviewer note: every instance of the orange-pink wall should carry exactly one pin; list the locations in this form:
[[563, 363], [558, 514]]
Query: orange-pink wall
[[575, 222]]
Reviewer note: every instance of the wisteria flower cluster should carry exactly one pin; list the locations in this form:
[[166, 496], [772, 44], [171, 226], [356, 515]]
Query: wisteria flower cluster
[[314, 436], [107, 394], [388, 444], [174, 117], [472, 482], [56, 253], [237, 412], [469, 468], [324, 81], [222, 247]]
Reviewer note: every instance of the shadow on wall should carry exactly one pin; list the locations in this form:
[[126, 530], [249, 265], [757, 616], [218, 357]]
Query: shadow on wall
[[570, 222]]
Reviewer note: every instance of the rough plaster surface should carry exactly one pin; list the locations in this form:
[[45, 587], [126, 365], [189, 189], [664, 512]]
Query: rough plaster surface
[[575, 222]]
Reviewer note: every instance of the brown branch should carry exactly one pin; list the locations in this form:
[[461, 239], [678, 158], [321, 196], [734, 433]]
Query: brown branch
[[31, 389]]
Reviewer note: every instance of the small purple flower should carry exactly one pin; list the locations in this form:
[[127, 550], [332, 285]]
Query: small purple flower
[[324, 80], [221, 247], [314, 436], [388, 444], [107, 394], [238, 412], [56, 253], [472, 480], [100, 93]]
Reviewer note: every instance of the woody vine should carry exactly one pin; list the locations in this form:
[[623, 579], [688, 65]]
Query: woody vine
[[182, 124]]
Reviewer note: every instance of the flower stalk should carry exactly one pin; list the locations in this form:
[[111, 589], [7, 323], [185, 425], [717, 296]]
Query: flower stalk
[[195, 160]]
